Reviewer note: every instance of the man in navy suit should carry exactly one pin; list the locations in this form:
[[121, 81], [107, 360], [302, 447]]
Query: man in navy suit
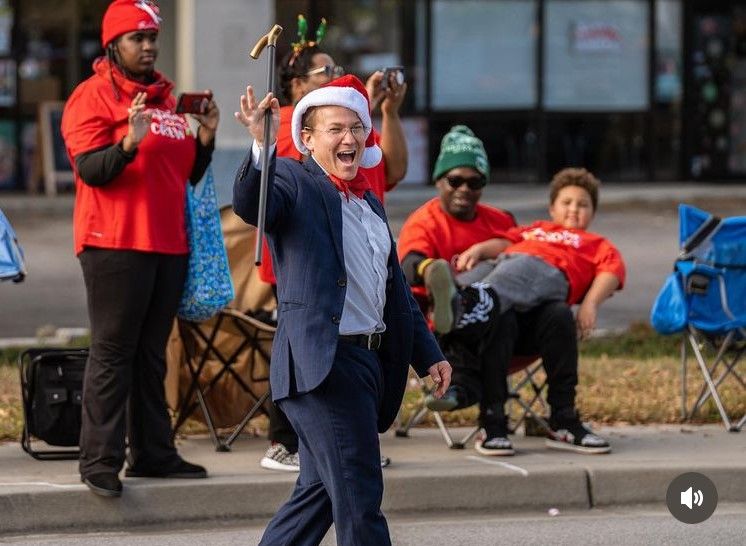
[[348, 326]]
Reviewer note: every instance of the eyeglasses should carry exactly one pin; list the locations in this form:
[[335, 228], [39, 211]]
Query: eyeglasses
[[357, 131], [328, 70], [473, 182]]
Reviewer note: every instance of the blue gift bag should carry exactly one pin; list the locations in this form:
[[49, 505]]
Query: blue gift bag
[[208, 287], [12, 266]]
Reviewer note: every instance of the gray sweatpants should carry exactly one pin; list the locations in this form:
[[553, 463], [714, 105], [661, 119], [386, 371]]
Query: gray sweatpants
[[521, 281]]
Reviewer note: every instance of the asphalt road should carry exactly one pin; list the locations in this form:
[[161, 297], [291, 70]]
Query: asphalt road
[[53, 294], [617, 527]]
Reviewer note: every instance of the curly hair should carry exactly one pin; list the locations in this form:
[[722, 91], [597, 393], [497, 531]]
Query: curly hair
[[574, 176], [295, 65]]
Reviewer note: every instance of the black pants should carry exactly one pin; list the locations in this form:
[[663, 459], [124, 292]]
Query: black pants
[[132, 300], [481, 358], [280, 429]]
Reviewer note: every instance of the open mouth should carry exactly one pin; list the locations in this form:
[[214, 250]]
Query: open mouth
[[346, 157]]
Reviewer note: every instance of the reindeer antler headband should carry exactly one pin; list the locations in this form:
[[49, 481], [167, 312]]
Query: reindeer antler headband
[[302, 43]]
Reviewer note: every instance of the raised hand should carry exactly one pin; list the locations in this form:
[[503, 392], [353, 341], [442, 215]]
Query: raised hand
[[391, 98], [139, 122], [251, 115]]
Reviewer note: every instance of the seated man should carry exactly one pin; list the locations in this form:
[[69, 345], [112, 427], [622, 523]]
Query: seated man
[[481, 348]]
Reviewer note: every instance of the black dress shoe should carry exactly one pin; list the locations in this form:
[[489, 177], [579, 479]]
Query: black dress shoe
[[105, 484], [181, 469]]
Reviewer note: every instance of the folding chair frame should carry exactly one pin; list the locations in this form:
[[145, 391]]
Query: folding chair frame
[[528, 378], [196, 364], [728, 354]]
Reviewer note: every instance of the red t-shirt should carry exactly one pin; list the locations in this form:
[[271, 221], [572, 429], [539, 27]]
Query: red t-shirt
[[579, 254], [431, 231], [142, 208], [286, 148]]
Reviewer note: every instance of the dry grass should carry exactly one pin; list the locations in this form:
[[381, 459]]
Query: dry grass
[[619, 390], [11, 412], [634, 378]]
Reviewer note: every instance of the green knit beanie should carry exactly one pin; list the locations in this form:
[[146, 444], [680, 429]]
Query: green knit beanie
[[460, 148]]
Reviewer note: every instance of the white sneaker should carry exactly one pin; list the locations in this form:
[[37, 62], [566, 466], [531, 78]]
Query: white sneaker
[[495, 446], [278, 457]]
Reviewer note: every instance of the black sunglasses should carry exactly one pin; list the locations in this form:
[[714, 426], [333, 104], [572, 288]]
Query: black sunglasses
[[473, 182]]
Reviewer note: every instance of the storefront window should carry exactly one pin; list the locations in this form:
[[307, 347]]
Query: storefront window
[[596, 55], [612, 146], [668, 88], [737, 158], [8, 133], [483, 54], [46, 48]]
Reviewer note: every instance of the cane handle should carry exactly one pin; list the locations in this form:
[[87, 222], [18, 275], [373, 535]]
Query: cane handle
[[268, 39]]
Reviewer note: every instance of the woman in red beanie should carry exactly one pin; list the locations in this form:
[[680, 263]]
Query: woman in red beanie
[[132, 156]]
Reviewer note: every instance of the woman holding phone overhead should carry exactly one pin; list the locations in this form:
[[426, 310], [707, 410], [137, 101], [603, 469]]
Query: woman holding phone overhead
[[132, 155]]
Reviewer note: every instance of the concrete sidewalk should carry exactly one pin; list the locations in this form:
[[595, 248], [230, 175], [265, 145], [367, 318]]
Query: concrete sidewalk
[[425, 476]]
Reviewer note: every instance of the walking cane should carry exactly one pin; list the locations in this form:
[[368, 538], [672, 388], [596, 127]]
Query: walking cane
[[269, 41]]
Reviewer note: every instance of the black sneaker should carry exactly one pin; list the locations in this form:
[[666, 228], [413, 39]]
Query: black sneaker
[[104, 484], [568, 433], [180, 470], [495, 440], [475, 306]]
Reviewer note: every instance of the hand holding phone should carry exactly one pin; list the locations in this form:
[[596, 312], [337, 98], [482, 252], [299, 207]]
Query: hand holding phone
[[396, 72], [193, 103]]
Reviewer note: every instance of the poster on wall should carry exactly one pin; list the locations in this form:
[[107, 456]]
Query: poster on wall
[[596, 55]]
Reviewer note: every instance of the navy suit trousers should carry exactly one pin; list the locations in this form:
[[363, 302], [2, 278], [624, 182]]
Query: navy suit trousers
[[340, 477]]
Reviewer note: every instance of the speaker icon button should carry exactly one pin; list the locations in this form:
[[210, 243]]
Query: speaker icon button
[[692, 497]]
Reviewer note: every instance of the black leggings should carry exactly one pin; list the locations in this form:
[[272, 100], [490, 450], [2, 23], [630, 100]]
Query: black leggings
[[132, 301]]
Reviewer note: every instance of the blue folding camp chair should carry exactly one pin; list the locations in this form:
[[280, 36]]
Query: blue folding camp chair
[[705, 299], [12, 266]]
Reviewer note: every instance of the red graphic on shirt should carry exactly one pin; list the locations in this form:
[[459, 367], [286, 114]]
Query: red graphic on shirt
[[564, 237]]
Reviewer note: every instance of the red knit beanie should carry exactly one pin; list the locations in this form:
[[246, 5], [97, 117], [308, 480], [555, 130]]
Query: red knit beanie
[[128, 16]]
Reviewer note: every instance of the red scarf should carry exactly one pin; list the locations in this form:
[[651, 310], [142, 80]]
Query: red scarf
[[357, 185]]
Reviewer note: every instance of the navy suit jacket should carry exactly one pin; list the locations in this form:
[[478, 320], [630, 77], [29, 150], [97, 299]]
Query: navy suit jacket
[[304, 232]]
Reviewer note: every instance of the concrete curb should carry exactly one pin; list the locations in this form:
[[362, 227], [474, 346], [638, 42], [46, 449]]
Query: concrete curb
[[146, 501], [631, 484]]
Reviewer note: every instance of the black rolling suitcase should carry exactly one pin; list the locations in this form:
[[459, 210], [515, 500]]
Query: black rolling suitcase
[[52, 390]]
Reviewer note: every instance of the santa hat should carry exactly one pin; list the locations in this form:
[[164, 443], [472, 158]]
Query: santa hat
[[349, 92], [128, 16]]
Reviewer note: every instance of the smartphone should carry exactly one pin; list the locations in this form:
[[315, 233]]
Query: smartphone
[[193, 103], [399, 75]]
